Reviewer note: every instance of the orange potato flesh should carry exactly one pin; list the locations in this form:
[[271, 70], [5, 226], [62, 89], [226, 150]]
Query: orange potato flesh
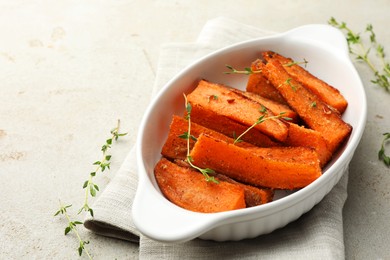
[[315, 113], [260, 85], [175, 147], [301, 136], [276, 107], [266, 167], [235, 107], [188, 189], [324, 91]]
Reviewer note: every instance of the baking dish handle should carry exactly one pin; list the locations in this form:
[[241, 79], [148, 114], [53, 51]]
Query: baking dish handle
[[166, 223], [322, 34]]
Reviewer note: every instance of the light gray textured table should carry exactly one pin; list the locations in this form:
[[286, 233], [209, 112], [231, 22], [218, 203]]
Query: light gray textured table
[[70, 69]]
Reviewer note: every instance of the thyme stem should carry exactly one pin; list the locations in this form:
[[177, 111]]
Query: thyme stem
[[72, 227], [249, 71], [188, 136], [259, 121], [90, 187]]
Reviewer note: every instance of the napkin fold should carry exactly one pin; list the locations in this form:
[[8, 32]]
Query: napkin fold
[[318, 234]]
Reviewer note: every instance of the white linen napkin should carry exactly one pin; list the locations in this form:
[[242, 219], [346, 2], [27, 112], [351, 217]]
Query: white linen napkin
[[318, 234]]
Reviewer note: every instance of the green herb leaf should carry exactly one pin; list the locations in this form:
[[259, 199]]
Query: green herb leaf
[[188, 108], [67, 230], [184, 136], [263, 109], [382, 153], [92, 191]]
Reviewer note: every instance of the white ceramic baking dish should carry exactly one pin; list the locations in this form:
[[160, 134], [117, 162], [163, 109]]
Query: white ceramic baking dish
[[327, 52]]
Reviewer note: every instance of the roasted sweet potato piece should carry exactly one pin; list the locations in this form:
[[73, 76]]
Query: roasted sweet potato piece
[[276, 107], [228, 104], [229, 127], [175, 147], [312, 110], [188, 189], [302, 136], [260, 85], [254, 196], [324, 91], [275, 167]]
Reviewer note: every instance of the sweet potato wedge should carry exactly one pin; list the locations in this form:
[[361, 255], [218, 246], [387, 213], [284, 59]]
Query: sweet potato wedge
[[188, 189], [260, 85], [229, 127], [273, 106], [276, 167], [302, 136], [312, 110], [175, 147], [254, 196], [226, 103], [324, 91]]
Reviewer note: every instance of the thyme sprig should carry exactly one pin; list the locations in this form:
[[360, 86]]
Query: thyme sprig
[[362, 53], [293, 87], [90, 187], [187, 135], [72, 227], [249, 71], [382, 153], [260, 120], [246, 71], [290, 64]]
